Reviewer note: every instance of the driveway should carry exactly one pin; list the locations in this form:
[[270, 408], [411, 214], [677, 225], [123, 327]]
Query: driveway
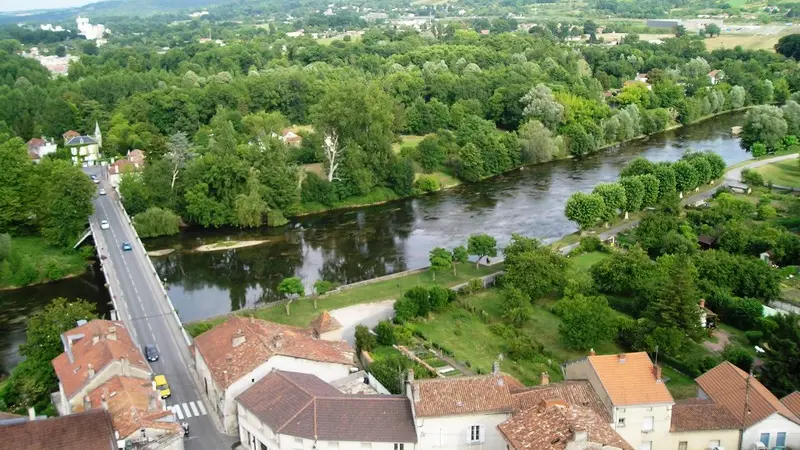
[[368, 314]]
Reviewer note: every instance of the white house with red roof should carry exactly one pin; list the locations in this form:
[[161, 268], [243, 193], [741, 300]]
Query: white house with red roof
[[38, 148], [241, 351]]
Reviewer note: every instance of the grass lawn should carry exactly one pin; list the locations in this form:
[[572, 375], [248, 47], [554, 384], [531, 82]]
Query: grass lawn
[[679, 385], [748, 42], [407, 140], [782, 173], [41, 263], [445, 180], [302, 310], [582, 263]]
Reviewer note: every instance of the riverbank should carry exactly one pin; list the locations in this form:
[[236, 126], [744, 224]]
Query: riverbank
[[33, 261], [227, 245]]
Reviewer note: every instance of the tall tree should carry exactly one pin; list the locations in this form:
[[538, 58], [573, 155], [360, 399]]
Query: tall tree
[[440, 259], [482, 245]]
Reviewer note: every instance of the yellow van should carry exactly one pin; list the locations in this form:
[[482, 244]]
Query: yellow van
[[161, 386]]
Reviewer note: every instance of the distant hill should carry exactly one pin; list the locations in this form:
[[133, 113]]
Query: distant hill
[[108, 8]]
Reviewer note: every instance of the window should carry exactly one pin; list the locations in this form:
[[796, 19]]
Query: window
[[647, 424], [621, 422], [781, 440], [399, 446], [475, 434], [683, 445], [646, 445], [764, 439]]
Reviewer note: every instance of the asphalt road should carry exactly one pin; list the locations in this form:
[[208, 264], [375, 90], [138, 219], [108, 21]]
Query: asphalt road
[[140, 302]]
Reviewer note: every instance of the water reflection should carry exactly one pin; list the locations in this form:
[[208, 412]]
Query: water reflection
[[347, 246]]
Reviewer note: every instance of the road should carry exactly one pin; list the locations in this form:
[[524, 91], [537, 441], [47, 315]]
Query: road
[[141, 303]]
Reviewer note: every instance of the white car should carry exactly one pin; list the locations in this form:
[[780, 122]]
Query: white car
[[104, 224], [102, 192], [96, 181]]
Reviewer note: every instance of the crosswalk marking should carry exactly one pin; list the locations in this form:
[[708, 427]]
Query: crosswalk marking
[[202, 408], [186, 410], [194, 409], [177, 411]]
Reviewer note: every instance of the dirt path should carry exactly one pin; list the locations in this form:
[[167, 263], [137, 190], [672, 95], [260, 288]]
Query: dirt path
[[723, 338]]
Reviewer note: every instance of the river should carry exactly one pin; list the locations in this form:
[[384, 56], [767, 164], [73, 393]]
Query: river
[[353, 245]]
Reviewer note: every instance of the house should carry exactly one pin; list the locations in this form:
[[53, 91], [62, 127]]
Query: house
[[707, 241], [555, 425], [792, 401], [132, 162], [293, 411], [715, 76], [761, 416], [289, 137], [702, 424], [38, 148], [89, 430], [236, 354], [138, 414], [326, 327], [85, 150], [708, 319], [634, 393], [573, 392], [464, 412], [95, 352], [69, 135]]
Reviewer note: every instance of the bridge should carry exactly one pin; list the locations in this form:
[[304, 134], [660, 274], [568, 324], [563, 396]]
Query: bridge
[[141, 301]]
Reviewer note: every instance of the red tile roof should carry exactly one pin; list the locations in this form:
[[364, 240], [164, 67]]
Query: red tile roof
[[324, 323], [304, 406], [96, 344], [83, 431], [36, 142], [260, 341], [792, 401], [552, 425], [726, 385], [464, 395], [629, 379], [701, 415], [573, 392], [33, 155], [70, 134], [133, 404]]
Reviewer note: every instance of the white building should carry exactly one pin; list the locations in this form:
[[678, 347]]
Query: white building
[[38, 148], [463, 412], [91, 32], [632, 389], [85, 150], [702, 424], [297, 411], [766, 420], [236, 354]]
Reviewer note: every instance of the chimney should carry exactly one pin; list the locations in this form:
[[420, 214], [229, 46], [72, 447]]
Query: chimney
[[31, 414], [112, 334], [277, 341], [621, 358], [126, 366], [104, 402], [496, 368], [410, 375], [545, 378], [415, 393], [580, 436], [90, 371], [657, 372], [702, 303], [87, 403], [591, 352], [238, 338], [95, 338]]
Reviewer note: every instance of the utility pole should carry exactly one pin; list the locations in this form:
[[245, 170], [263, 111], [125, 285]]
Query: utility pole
[[745, 411]]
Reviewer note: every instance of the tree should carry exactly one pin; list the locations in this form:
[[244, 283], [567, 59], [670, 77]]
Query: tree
[[365, 340], [680, 30], [384, 332], [667, 183], [440, 259], [537, 143], [638, 166], [178, 154], [291, 287], [789, 46], [156, 222], [332, 152], [650, 186], [712, 29], [481, 245], [537, 272], [763, 124], [61, 51], [431, 153], [540, 104], [460, 255], [66, 203], [516, 306], [623, 273], [791, 113], [737, 97], [585, 209], [686, 178], [672, 296], [781, 370], [471, 166], [586, 322], [614, 199], [634, 193]]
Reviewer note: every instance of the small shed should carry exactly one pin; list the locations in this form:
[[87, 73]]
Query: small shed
[[326, 327], [707, 241], [739, 188]]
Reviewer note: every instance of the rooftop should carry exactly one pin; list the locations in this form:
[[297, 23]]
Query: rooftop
[[239, 345], [82, 431], [573, 392], [133, 405], [80, 140], [629, 379], [355, 383], [701, 415], [464, 395], [726, 385], [303, 405], [70, 134], [553, 424], [90, 348], [792, 401], [325, 322]]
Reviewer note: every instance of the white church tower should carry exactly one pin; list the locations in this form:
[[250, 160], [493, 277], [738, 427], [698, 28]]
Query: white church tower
[[97, 135]]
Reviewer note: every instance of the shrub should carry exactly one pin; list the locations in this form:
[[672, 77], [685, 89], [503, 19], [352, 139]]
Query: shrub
[[365, 340], [752, 177], [738, 356], [439, 297], [402, 335], [318, 190], [322, 287], [156, 222], [754, 337], [427, 183], [591, 244], [385, 333]]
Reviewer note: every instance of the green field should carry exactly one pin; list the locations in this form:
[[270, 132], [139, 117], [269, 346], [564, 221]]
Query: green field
[[407, 140], [781, 173], [33, 261]]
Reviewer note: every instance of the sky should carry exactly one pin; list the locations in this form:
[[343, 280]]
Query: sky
[[18, 5]]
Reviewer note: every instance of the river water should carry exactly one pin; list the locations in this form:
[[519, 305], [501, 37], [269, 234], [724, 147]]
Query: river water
[[353, 245]]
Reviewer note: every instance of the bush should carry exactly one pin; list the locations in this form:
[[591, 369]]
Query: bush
[[318, 190], [752, 177], [365, 340], [439, 297], [591, 244], [385, 333], [754, 337], [322, 287], [476, 284], [402, 335], [738, 356], [426, 183], [156, 222]]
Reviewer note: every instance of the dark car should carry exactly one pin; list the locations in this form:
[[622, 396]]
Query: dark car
[[151, 352], [126, 246]]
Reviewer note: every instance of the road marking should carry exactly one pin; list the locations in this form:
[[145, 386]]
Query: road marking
[[194, 409], [186, 410], [176, 409], [202, 408]]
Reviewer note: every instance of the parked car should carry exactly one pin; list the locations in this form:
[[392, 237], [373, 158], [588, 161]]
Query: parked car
[[102, 192], [126, 247], [104, 224], [161, 386], [151, 352], [96, 181]]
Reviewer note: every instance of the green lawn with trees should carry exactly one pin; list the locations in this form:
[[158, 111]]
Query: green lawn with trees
[[782, 173]]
